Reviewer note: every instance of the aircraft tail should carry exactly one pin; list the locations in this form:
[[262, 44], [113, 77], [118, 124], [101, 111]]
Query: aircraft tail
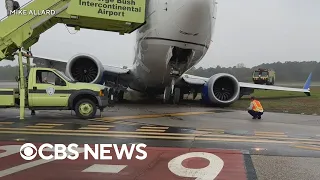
[[308, 82]]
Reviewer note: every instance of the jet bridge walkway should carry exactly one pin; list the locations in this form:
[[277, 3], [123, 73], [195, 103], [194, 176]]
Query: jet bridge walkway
[[23, 27]]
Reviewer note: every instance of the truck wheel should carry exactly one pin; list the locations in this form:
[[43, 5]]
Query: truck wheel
[[85, 109]]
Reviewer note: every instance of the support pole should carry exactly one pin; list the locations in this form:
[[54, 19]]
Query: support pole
[[22, 86]]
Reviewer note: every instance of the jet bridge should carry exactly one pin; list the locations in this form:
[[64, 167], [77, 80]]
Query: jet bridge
[[23, 27]]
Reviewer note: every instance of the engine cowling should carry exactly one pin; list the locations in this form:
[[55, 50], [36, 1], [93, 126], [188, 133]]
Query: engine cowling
[[222, 89], [85, 68]]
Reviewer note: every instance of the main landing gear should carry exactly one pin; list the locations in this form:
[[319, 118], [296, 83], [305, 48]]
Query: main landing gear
[[172, 94]]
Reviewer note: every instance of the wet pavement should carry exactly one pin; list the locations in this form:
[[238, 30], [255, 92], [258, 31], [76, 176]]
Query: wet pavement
[[180, 141]]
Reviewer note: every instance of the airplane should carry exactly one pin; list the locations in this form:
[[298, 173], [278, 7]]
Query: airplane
[[176, 36]]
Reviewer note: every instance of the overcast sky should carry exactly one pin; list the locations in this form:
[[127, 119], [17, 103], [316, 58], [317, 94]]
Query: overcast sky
[[246, 31]]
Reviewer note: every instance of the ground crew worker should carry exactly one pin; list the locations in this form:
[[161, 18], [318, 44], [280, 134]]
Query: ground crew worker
[[255, 109]]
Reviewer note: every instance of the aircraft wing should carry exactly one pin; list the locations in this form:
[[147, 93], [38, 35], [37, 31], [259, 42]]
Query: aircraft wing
[[197, 81], [49, 63]]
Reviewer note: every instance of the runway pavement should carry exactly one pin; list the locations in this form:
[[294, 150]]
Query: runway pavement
[[181, 142]]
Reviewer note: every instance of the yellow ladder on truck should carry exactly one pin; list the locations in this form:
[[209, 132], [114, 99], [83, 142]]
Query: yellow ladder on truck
[[23, 28]]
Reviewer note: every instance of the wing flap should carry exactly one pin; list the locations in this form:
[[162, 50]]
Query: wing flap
[[194, 80], [268, 87], [115, 70], [49, 63]]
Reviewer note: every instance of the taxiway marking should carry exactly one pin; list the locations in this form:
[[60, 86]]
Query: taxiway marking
[[123, 135], [171, 163], [100, 126], [271, 135], [308, 147], [6, 123], [151, 130], [151, 116], [46, 127], [268, 132], [153, 127], [210, 129], [105, 168], [94, 128], [48, 124], [133, 133]]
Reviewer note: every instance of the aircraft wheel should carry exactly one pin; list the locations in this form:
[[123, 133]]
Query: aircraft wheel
[[120, 96], [176, 95], [181, 96], [167, 94]]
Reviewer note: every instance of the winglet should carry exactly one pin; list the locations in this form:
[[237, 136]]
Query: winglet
[[308, 82]]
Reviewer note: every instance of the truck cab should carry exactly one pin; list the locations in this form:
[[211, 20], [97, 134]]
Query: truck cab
[[263, 76], [50, 89]]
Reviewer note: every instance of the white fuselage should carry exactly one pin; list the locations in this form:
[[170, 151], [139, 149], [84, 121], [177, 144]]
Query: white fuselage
[[184, 24]]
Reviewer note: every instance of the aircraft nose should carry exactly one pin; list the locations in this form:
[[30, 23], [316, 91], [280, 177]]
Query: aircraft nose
[[193, 16]]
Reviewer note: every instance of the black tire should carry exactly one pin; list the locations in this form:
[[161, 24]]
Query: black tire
[[181, 96], [120, 96], [167, 95], [82, 102], [272, 83], [176, 96]]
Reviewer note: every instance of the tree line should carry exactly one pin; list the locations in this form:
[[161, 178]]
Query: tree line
[[285, 72]]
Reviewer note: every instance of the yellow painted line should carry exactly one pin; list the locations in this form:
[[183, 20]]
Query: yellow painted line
[[47, 124], [126, 123], [266, 132], [151, 116], [272, 135], [308, 147], [151, 130], [100, 125], [209, 129], [6, 122], [153, 127], [93, 128], [148, 137], [40, 127], [13, 130]]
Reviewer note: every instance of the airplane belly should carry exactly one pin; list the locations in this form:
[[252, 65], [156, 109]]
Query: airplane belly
[[171, 26], [185, 21]]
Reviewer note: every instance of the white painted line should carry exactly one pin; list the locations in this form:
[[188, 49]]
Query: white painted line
[[105, 168], [154, 127], [23, 167], [207, 173]]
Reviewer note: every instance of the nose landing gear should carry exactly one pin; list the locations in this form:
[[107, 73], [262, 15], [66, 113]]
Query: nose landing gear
[[171, 93]]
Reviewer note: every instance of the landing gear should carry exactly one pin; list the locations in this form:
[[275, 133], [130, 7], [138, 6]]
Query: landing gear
[[176, 96], [120, 95], [172, 94]]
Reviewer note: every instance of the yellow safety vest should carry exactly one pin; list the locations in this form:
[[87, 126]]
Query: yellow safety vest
[[257, 106]]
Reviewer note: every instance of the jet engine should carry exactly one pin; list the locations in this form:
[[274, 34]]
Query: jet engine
[[222, 89], [85, 68]]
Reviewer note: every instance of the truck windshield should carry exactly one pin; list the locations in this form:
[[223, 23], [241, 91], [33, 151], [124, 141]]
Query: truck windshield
[[261, 73], [64, 76]]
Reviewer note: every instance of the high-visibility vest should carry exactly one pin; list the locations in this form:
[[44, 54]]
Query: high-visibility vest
[[257, 106]]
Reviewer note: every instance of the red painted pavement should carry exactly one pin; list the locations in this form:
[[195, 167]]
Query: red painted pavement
[[154, 167]]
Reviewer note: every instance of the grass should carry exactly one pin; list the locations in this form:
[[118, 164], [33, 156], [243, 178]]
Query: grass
[[280, 101]]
